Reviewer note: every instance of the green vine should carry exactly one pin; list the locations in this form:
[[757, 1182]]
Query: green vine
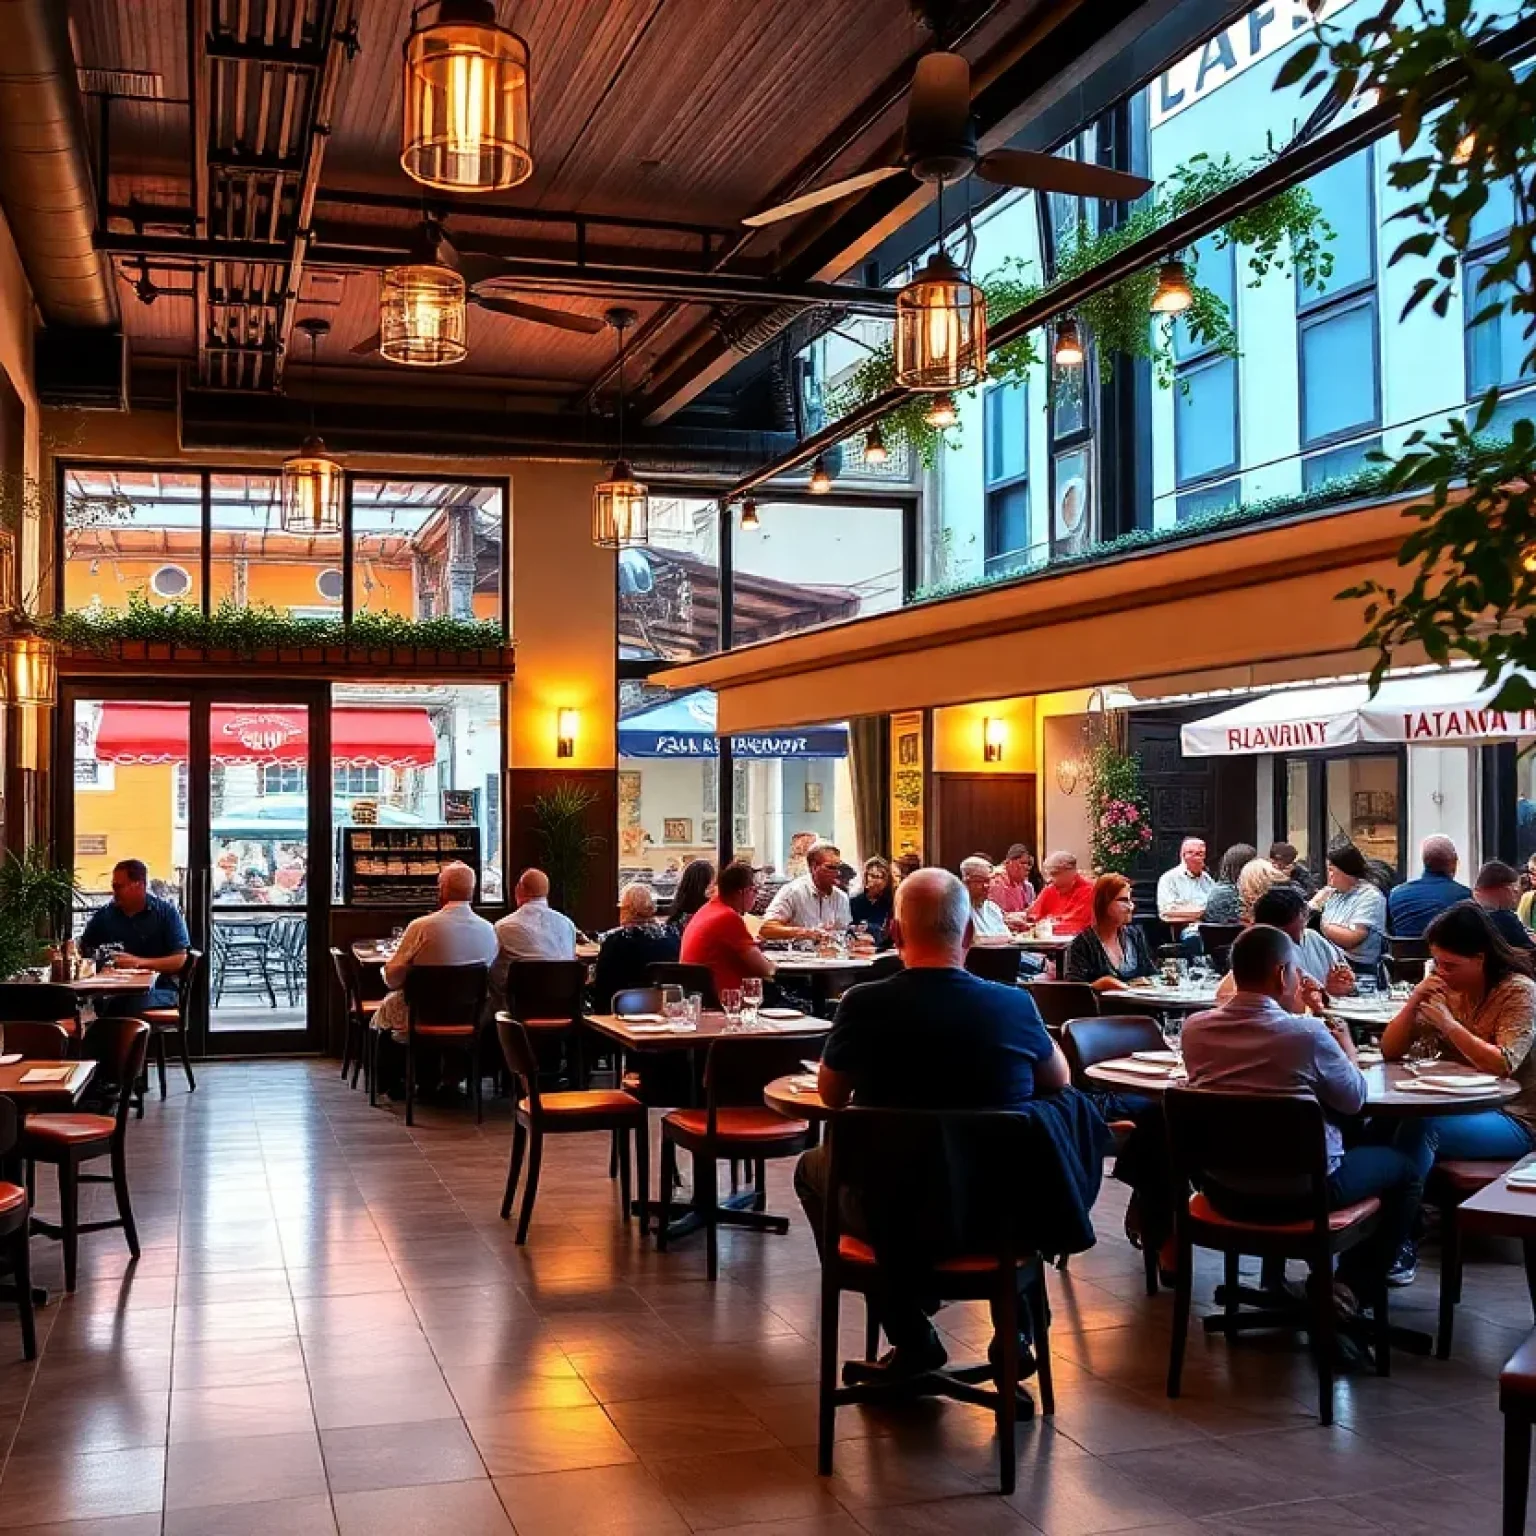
[[1289, 226], [246, 630], [1119, 823]]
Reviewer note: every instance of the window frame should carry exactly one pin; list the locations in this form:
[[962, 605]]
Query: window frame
[[1471, 303], [995, 492], [1202, 360]]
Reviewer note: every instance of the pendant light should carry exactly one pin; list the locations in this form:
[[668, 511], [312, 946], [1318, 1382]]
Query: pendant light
[[821, 476], [874, 446], [942, 413], [750, 521], [31, 672], [621, 509], [465, 125], [941, 329], [312, 479], [1172, 296], [422, 315], [1069, 345]]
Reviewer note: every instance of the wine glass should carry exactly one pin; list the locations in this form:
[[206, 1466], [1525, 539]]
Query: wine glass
[[1173, 1035], [751, 1000], [674, 1005]]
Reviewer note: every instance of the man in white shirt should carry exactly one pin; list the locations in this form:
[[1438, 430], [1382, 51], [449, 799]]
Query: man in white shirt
[[811, 905], [1183, 891], [453, 935], [532, 931], [986, 916]]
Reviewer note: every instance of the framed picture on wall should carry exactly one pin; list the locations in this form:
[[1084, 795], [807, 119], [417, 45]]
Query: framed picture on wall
[[677, 829], [709, 830], [813, 798]]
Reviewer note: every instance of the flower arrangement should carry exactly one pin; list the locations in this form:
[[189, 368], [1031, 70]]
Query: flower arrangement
[[1120, 825]]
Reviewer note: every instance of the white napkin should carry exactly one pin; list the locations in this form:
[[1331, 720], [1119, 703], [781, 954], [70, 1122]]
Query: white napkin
[[1139, 1068], [1426, 1085]]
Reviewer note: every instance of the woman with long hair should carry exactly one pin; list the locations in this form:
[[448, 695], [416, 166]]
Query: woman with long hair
[[1225, 904], [692, 892], [873, 903], [1257, 877]]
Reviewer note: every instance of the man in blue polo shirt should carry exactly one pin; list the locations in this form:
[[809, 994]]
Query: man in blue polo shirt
[[150, 934], [1414, 904]]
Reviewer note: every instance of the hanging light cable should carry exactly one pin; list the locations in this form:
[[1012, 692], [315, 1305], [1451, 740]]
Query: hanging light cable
[[621, 508], [312, 479]]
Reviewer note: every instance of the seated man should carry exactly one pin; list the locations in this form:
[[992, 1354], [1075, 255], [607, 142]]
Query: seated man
[[814, 903], [1414, 904], [1262, 1040], [1067, 898], [986, 916], [149, 934], [1285, 908], [1183, 891], [717, 935], [533, 930], [1497, 892], [455, 934], [933, 1036]]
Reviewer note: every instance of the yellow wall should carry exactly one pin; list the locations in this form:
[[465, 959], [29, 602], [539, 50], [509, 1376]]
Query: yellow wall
[[957, 737], [135, 815]]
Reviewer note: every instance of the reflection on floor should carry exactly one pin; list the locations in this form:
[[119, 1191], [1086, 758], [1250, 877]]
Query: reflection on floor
[[331, 1330]]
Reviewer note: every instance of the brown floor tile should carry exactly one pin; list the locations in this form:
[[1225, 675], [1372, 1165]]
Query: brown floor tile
[[602, 1501], [510, 1386], [122, 1525], [407, 1396], [309, 1516], [713, 1492], [465, 1509], [689, 1426], [220, 1413], [399, 1455], [43, 1486], [243, 1471], [549, 1440]]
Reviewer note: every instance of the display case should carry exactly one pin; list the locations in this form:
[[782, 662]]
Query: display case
[[398, 866]]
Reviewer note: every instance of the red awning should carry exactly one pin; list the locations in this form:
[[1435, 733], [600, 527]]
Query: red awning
[[255, 733]]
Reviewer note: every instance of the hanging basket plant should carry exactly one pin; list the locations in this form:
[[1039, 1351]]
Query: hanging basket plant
[[1119, 821]]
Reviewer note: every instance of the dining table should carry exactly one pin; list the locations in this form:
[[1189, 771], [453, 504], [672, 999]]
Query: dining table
[[795, 1097], [112, 981], [820, 975], [380, 951]]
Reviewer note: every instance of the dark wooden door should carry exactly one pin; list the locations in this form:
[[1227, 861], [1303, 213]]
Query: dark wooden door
[[981, 813]]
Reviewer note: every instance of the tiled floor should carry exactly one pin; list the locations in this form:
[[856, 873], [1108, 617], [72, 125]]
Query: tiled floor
[[331, 1330]]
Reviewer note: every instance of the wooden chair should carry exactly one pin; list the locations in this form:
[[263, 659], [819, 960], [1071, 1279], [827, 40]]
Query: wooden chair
[[22, 1000], [1278, 1138], [444, 1005], [899, 1161], [994, 962], [691, 978], [120, 1048], [548, 998], [538, 1115], [1087, 1042], [1517, 1402], [16, 1229], [36, 1039], [734, 1125], [1059, 1001], [1218, 939], [175, 1021], [1448, 1185], [356, 1051]]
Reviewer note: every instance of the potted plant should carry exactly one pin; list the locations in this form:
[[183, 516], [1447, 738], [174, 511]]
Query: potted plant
[[35, 900], [567, 845]]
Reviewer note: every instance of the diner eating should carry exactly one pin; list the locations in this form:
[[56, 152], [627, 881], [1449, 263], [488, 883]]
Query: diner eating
[[1066, 901]]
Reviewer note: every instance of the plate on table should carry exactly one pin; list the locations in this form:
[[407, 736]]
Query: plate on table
[[779, 1013], [1445, 1087], [1167, 1058], [1138, 1068], [803, 1084], [1466, 1081], [10, 1059]]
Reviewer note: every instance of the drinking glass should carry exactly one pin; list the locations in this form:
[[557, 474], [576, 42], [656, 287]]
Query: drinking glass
[[751, 1000], [730, 1004], [695, 1008], [1173, 1034], [1423, 1052], [674, 1005], [1365, 987]]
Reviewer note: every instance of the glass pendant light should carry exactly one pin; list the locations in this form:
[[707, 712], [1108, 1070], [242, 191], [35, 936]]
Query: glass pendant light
[[942, 413], [821, 476], [1172, 296], [621, 508], [941, 329], [465, 124], [874, 446], [422, 316], [312, 479], [1069, 345], [750, 521]]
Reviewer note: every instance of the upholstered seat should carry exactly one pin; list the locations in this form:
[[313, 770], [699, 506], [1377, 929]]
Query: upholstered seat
[[61, 1130], [161, 1018], [591, 1101], [1466, 1176], [748, 1125], [546, 1023], [854, 1250], [1338, 1221], [12, 1198], [445, 1031]]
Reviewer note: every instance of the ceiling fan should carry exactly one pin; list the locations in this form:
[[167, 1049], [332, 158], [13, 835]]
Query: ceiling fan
[[940, 145], [432, 248]]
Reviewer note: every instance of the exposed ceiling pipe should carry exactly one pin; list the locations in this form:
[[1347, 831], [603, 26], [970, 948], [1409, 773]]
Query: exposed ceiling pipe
[[45, 174]]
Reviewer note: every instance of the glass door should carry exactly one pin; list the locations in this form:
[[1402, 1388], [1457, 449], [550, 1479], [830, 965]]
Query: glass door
[[221, 791]]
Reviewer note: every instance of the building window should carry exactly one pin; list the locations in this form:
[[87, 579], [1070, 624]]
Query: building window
[[1496, 347], [1337, 463], [330, 585], [170, 581], [1337, 326], [1007, 471], [284, 779], [1209, 498], [1205, 429], [349, 780]]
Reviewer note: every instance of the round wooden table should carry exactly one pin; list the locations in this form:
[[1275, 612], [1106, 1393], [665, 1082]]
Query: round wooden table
[[1384, 1096], [795, 1104]]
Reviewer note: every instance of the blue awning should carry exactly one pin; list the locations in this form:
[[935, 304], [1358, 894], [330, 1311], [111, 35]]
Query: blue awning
[[685, 727]]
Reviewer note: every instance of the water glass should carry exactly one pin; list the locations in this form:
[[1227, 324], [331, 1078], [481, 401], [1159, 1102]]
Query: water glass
[[1173, 1034], [730, 1004], [1365, 987], [695, 1008], [751, 1000], [1423, 1052], [674, 1006]]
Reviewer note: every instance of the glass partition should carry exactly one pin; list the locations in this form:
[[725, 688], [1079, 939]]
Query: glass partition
[[669, 590], [255, 563], [132, 533]]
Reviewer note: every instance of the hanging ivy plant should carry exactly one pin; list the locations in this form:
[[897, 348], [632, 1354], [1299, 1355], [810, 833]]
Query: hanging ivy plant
[[1289, 227], [1119, 823]]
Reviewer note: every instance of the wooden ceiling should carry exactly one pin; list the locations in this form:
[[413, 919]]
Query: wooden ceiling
[[685, 112]]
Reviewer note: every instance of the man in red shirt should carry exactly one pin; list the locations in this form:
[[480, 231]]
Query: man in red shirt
[[1067, 898], [717, 937]]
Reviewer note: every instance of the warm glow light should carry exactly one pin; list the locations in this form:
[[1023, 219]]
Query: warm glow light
[[941, 329], [821, 477], [1172, 296], [466, 101], [567, 728], [312, 484], [942, 413], [1069, 345], [621, 510], [31, 670], [874, 446], [1466, 147], [1528, 560], [422, 316], [994, 737], [750, 521]]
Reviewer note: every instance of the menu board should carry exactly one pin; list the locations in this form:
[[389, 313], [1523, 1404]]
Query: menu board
[[907, 783], [461, 807]]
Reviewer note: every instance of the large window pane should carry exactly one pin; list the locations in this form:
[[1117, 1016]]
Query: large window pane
[[132, 532], [1007, 438], [1343, 192], [1215, 269], [1209, 498], [1496, 346], [1336, 463], [1007, 533], [812, 562], [1338, 371], [1205, 419], [669, 591], [423, 757], [427, 549], [1506, 413], [1497, 214], [1361, 806], [255, 563]]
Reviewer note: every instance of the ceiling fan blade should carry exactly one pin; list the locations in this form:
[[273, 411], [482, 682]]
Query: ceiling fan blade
[[830, 194], [1052, 173], [364, 347], [560, 319], [475, 269]]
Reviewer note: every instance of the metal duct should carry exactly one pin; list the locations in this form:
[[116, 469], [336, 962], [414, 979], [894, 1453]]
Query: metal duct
[[45, 178]]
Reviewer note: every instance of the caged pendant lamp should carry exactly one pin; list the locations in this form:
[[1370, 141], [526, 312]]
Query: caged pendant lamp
[[621, 508], [422, 316], [312, 479], [465, 125], [941, 329]]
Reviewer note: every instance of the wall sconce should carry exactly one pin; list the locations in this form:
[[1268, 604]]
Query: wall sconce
[[994, 737], [1068, 772], [566, 729]]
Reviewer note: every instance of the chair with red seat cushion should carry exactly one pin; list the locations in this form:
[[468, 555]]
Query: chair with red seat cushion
[[120, 1048], [537, 1115], [548, 998], [16, 1232], [734, 1124], [1448, 1185], [356, 1047], [941, 1205], [444, 1004], [36, 1039], [1230, 1140], [174, 1021]]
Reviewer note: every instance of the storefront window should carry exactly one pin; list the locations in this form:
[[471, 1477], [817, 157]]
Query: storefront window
[[1362, 806], [424, 757], [669, 591], [1298, 813], [255, 564], [132, 533], [426, 550]]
